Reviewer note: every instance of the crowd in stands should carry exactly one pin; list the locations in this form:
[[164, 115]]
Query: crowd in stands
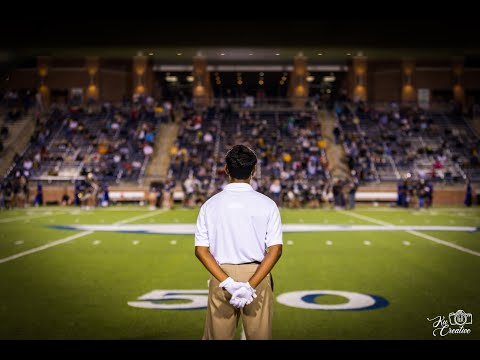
[[70, 141], [390, 143], [97, 144], [13, 105], [292, 165], [113, 142]]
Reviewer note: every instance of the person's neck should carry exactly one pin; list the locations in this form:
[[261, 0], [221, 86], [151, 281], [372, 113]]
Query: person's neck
[[239, 181]]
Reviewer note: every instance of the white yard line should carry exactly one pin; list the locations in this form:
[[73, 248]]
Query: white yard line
[[365, 218], [140, 217], [416, 233], [76, 236], [44, 247], [12, 219]]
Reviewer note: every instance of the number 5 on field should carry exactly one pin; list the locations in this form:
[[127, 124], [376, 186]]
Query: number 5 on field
[[197, 300]]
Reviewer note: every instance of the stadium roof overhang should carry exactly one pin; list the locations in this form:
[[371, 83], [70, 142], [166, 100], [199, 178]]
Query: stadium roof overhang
[[325, 41]]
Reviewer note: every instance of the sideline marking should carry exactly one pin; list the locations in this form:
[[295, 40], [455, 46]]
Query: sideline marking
[[413, 232], [189, 229], [76, 236]]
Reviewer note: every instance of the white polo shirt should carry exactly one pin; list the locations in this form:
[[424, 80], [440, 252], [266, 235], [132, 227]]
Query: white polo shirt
[[238, 224]]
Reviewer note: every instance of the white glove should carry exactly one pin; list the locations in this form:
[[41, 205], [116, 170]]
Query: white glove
[[243, 296], [231, 285]]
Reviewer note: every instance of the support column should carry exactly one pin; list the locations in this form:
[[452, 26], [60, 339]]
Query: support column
[[43, 100], [409, 93], [139, 75], [298, 90], [359, 84], [93, 92], [202, 88], [457, 80]]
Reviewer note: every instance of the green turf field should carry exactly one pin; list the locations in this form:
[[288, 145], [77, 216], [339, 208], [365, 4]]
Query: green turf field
[[80, 287]]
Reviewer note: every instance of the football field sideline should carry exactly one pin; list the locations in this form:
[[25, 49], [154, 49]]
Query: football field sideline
[[76, 236], [413, 232]]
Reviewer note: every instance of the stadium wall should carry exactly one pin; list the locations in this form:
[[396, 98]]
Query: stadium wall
[[441, 196], [22, 79], [113, 83], [385, 85], [385, 79], [471, 78]]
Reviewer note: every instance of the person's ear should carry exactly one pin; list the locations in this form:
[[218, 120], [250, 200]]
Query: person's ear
[[226, 170], [254, 171]]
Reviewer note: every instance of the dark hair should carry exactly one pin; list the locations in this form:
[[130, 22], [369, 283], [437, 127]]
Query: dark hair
[[240, 162]]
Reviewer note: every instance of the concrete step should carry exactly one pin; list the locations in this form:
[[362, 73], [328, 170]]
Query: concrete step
[[18, 139], [335, 153], [160, 163]]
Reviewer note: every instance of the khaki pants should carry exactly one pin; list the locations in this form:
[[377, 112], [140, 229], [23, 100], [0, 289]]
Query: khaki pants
[[222, 317]]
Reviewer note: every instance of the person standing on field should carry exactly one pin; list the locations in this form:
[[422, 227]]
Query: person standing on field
[[238, 238]]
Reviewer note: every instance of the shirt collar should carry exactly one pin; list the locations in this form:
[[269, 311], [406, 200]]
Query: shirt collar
[[238, 187]]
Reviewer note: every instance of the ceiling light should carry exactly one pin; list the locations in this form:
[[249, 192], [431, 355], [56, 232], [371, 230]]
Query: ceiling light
[[330, 78], [171, 78], [151, 54], [222, 54], [277, 54], [179, 54], [250, 54], [348, 54], [319, 54]]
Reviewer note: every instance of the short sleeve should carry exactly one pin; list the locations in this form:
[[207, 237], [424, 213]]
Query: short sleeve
[[201, 231], [274, 228]]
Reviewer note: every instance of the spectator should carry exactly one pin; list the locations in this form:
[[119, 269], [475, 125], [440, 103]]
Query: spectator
[[39, 196], [352, 190], [65, 198], [468, 194]]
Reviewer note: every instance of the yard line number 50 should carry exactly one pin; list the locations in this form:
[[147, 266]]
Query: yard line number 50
[[197, 300]]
